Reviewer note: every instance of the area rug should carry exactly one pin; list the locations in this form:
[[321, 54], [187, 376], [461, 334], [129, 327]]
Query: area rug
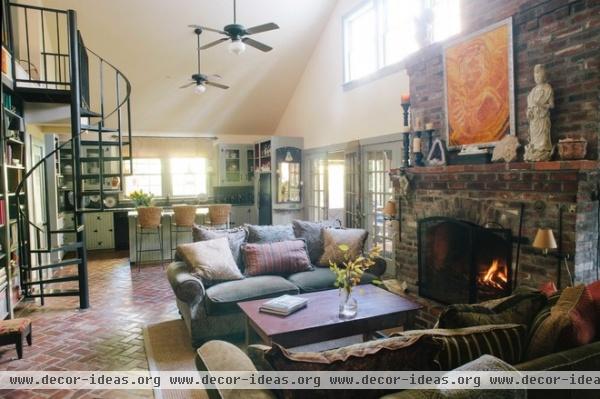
[[168, 348]]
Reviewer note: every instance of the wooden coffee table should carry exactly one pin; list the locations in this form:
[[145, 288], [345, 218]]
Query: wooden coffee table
[[378, 309]]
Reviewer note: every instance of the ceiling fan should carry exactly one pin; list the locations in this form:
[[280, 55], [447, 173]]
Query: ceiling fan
[[237, 34], [199, 79]]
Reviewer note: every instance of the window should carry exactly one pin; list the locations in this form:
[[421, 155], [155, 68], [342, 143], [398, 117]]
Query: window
[[188, 176], [146, 176], [317, 190], [383, 32]]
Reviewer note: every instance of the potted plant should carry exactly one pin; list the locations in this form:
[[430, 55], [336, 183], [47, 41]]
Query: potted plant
[[140, 198], [348, 275], [148, 216]]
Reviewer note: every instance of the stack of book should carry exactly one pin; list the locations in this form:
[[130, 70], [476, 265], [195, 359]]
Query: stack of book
[[283, 305]]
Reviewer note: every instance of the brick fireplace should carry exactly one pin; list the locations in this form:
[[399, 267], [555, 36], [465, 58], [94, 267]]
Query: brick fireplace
[[564, 36]]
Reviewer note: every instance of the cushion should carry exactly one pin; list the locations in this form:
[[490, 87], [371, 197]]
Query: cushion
[[519, 308], [262, 234], [354, 238], [571, 322], [13, 326], [223, 298], [461, 345], [210, 260], [236, 237], [393, 354], [283, 257], [321, 278], [594, 289], [312, 234], [548, 288]]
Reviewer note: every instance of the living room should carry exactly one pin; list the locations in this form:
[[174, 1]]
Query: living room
[[311, 187]]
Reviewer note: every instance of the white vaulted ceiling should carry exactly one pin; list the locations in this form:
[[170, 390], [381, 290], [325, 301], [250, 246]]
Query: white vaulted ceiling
[[149, 41]]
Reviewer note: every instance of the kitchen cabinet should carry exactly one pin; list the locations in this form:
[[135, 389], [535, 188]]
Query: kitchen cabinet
[[99, 230], [235, 165], [241, 214]]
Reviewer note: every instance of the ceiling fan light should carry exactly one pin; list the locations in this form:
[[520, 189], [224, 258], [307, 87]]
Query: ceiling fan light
[[199, 89], [237, 47]]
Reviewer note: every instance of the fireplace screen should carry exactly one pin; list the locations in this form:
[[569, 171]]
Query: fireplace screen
[[462, 262]]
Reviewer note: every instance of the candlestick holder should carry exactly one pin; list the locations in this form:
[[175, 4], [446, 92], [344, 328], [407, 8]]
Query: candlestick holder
[[405, 107], [418, 154]]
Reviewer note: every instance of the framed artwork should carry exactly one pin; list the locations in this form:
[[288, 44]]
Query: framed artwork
[[479, 87]]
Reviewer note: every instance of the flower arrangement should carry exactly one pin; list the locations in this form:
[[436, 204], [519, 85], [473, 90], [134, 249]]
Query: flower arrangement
[[140, 198], [351, 270]]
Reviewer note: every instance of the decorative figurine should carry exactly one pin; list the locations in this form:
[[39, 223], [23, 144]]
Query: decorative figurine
[[506, 149], [539, 102], [437, 154]]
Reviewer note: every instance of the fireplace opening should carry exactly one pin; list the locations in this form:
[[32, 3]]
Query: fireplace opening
[[462, 262]]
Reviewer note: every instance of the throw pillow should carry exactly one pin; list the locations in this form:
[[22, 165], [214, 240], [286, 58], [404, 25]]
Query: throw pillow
[[210, 260], [312, 234], [354, 238], [571, 322], [594, 289], [462, 345], [263, 234], [519, 308], [236, 238], [283, 257]]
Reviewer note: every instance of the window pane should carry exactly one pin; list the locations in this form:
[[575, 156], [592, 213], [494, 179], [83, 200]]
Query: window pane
[[360, 30], [146, 177], [188, 176], [336, 185], [446, 19], [399, 30]]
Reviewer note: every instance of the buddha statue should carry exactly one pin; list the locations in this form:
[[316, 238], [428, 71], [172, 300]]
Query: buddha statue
[[539, 102]]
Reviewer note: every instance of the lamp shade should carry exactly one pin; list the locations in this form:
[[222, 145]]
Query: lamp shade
[[389, 210], [544, 239]]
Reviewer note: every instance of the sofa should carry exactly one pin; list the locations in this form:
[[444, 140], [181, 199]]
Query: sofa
[[210, 309]]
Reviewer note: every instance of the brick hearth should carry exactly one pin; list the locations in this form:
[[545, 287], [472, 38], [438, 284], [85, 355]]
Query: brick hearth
[[494, 193]]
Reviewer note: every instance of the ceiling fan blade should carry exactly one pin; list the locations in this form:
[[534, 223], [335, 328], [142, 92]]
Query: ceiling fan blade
[[262, 28], [215, 76], [219, 85], [211, 44], [258, 45], [187, 85], [207, 29]]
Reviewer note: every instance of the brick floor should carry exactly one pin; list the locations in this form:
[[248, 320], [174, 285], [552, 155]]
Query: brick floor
[[107, 336]]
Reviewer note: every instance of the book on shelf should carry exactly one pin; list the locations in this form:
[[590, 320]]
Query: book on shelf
[[283, 305]]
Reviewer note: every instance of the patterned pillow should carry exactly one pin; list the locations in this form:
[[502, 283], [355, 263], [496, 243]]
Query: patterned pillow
[[236, 238], [569, 323], [263, 234], [519, 308], [462, 345], [283, 257], [312, 233], [354, 238], [210, 260]]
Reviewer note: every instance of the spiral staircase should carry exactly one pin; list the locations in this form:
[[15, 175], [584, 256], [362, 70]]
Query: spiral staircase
[[97, 96]]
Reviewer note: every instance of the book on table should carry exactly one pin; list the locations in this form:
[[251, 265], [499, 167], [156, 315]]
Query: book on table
[[283, 305]]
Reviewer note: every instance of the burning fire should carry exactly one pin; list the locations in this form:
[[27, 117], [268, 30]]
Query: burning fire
[[496, 275]]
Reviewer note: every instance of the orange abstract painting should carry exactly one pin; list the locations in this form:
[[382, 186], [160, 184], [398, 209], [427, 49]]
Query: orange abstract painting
[[478, 88]]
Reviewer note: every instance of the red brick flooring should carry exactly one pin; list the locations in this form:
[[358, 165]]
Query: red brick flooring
[[107, 336]]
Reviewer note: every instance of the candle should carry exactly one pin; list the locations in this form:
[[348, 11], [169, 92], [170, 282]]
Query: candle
[[405, 99], [429, 126], [418, 124], [416, 144]]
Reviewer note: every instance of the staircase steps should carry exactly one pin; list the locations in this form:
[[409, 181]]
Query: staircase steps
[[66, 248], [103, 143], [107, 159], [54, 280], [93, 128], [86, 113], [69, 262], [52, 293], [41, 95], [79, 229]]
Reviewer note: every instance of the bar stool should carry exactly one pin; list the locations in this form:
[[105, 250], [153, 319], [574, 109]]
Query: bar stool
[[218, 215], [182, 221], [148, 224]]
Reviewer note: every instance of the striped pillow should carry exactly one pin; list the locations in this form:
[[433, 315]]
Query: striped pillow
[[462, 345], [283, 257]]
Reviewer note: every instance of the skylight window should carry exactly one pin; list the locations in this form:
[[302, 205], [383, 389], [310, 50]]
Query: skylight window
[[380, 33]]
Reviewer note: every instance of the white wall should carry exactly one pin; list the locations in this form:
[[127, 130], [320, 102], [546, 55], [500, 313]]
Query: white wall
[[323, 113]]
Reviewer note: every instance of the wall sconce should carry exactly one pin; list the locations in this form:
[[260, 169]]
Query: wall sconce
[[544, 240]]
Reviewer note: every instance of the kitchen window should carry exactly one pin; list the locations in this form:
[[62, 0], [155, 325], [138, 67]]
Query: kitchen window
[[146, 176], [188, 176], [381, 33]]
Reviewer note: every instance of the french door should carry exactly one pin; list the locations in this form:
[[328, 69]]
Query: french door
[[377, 160], [316, 198]]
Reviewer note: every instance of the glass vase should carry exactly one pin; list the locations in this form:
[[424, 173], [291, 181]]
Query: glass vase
[[348, 305]]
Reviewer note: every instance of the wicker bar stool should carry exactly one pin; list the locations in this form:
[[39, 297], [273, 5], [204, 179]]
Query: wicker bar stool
[[218, 215], [182, 221], [148, 224]]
